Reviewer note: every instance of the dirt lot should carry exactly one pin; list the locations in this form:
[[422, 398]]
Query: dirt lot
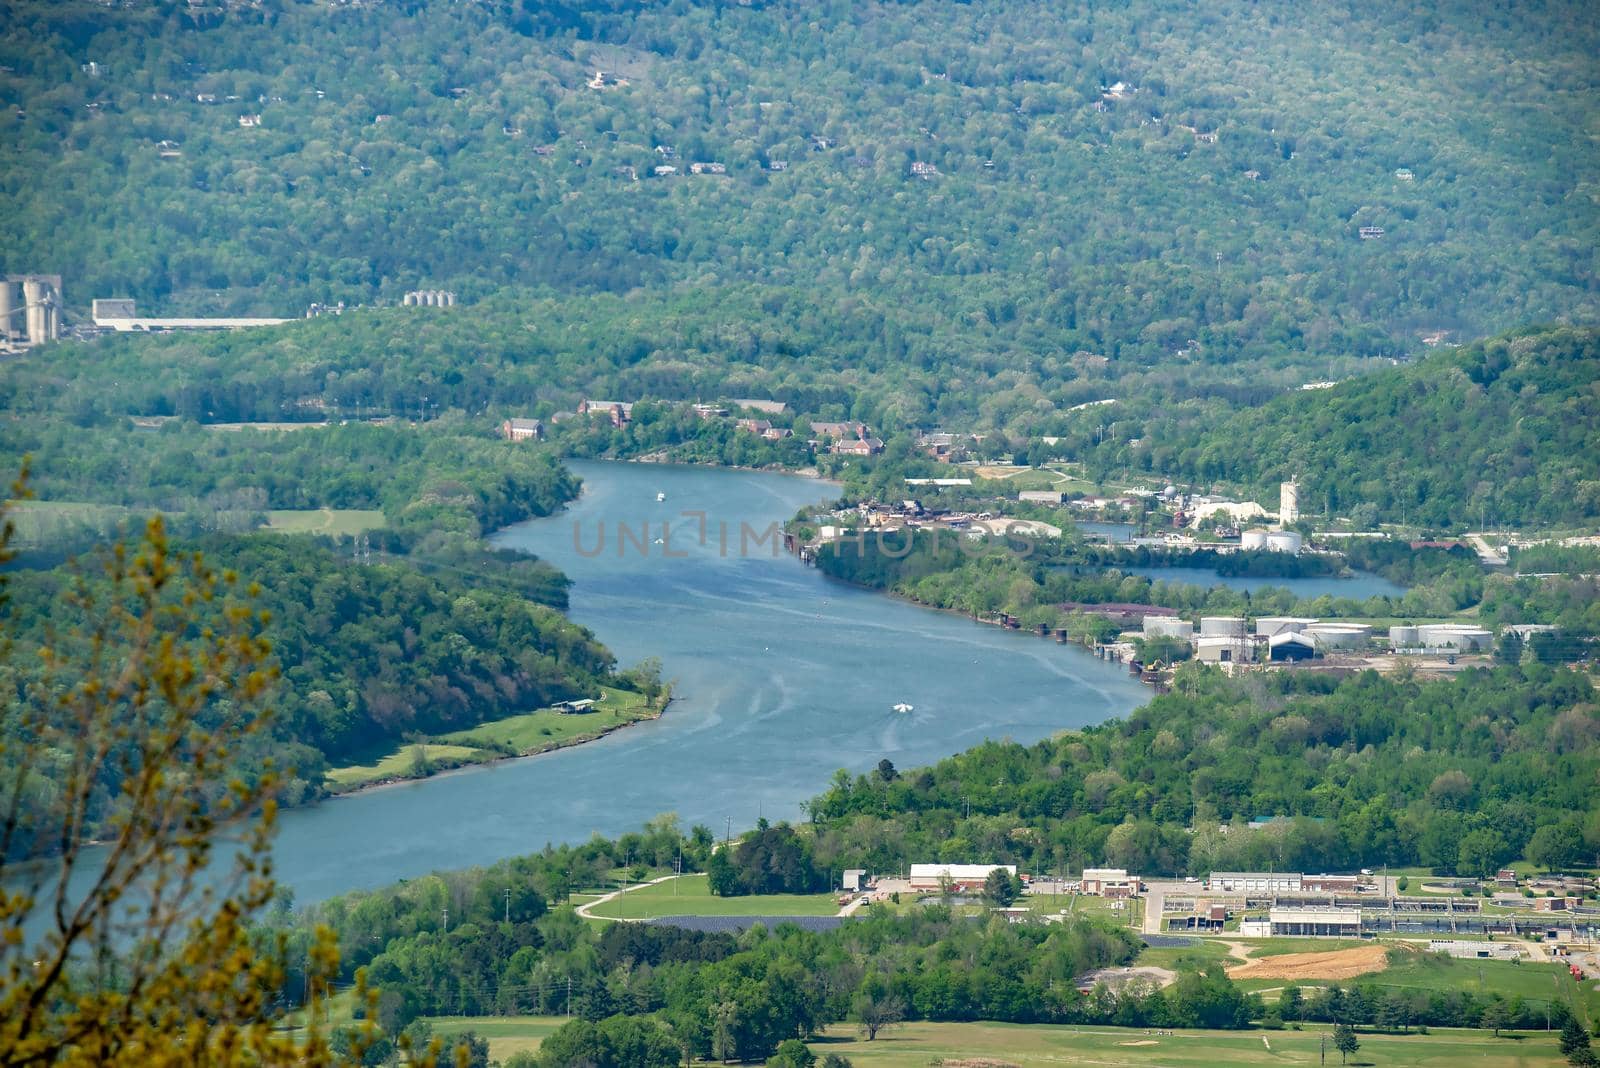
[[1334, 964]]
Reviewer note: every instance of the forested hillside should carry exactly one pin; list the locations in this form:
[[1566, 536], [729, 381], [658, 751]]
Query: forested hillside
[[1461, 776], [1150, 183], [1504, 431], [368, 654]]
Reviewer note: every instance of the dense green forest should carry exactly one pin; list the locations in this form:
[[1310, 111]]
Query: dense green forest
[[1111, 184], [368, 653], [1461, 776], [1504, 431]]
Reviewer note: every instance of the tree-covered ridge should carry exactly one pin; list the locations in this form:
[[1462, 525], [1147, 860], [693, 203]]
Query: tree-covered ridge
[[1461, 775], [1217, 197], [1504, 431], [372, 653]]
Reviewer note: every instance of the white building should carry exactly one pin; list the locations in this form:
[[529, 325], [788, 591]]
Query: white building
[[1109, 882], [1255, 882], [956, 876], [1315, 922]]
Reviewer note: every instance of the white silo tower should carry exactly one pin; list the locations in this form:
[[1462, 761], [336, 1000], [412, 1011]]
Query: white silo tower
[[8, 307], [38, 314], [1288, 502]]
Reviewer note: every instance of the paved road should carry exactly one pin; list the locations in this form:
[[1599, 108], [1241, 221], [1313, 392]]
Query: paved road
[[583, 910]]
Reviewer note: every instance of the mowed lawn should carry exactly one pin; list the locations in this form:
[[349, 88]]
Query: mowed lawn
[[690, 896], [547, 728], [506, 1034], [343, 522], [917, 1045], [530, 732], [401, 763]]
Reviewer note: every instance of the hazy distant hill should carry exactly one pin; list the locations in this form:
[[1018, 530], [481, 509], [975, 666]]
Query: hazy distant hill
[[1500, 431], [1134, 182]]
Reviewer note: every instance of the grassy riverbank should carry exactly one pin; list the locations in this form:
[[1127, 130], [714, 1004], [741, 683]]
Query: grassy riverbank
[[515, 736]]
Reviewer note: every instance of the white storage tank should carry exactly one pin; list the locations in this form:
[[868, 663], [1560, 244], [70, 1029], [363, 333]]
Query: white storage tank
[[1334, 636], [1222, 627], [1403, 637], [1284, 541], [1462, 637], [1253, 539], [1168, 626], [1270, 626]]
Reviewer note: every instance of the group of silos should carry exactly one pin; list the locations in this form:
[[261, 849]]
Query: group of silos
[[1456, 637], [39, 311], [1276, 541], [429, 298]]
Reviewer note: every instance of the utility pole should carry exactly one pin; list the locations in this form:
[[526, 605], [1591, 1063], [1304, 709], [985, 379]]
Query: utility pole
[[569, 995], [508, 904], [1324, 1047], [727, 835], [447, 917]]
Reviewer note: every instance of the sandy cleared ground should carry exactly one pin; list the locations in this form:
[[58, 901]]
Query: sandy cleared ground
[[1334, 964]]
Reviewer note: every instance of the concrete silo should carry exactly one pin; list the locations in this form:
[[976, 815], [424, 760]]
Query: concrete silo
[[1289, 502], [8, 306], [35, 298]]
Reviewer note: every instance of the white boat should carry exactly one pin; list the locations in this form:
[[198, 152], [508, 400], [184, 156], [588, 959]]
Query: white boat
[[902, 707], [661, 496]]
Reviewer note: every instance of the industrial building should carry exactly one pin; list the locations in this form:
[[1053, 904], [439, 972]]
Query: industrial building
[[1109, 882], [1217, 649], [1255, 882], [1315, 922], [120, 314], [36, 317], [1466, 950], [1291, 645], [955, 876]]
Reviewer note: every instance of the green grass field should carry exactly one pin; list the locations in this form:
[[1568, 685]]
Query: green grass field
[[506, 1034], [402, 764], [534, 731], [918, 1045], [531, 732], [689, 896], [37, 521], [342, 522]]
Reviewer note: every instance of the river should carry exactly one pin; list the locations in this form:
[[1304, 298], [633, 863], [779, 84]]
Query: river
[[781, 675]]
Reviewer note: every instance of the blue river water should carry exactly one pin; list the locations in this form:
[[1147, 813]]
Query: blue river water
[[781, 675]]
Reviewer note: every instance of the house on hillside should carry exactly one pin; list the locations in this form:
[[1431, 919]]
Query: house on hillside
[[522, 430], [619, 412]]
